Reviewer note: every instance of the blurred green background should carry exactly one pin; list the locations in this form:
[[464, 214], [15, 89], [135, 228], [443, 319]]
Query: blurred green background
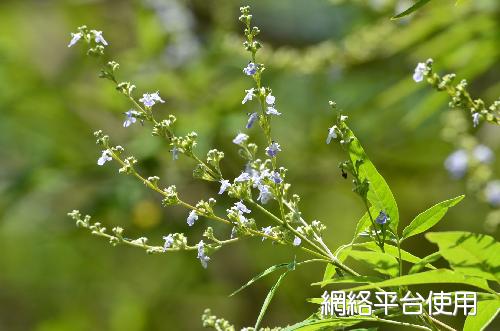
[[54, 276]]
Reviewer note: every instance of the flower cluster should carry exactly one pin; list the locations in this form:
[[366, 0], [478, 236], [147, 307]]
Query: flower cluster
[[260, 193]]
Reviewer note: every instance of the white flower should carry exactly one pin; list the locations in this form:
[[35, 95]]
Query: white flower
[[456, 163], [192, 217], [492, 192], [150, 99], [224, 185], [264, 194], [240, 138], [105, 157], [272, 111], [98, 37], [242, 208], [74, 38], [418, 75], [243, 178], [268, 231], [201, 254], [483, 154], [169, 240], [475, 119], [297, 241], [270, 99], [248, 96], [331, 134]]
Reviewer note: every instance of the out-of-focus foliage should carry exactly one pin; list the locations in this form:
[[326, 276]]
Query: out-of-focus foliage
[[54, 277]]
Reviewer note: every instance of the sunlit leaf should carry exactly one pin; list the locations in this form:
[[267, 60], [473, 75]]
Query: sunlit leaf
[[438, 276], [262, 274], [469, 253], [378, 261], [430, 217], [379, 193], [485, 314], [413, 8], [268, 299]]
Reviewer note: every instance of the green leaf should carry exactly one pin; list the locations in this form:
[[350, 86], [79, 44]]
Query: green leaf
[[425, 262], [393, 251], [410, 10], [379, 193], [469, 253], [430, 217], [485, 314], [315, 324], [364, 222], [350, 279], [437, 276], [329, 272], [268, 299], [262, 274], [330, 269], [381, 262]]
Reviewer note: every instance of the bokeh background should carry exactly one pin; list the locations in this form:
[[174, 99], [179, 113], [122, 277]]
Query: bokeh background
[[54, 276]]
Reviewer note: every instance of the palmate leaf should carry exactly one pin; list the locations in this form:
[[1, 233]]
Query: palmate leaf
[[469, 253], [430, 217], [413, 8], [485, 314], [379, 194], [437, 276]]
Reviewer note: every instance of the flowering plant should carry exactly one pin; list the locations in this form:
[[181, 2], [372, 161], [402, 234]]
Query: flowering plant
[[266, 207]]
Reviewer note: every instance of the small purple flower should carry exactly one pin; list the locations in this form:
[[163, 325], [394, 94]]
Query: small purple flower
[[297, 241], [331, 134], [456, 163], [270, 99], [483, 154], [175, 153], [242, 208], [268, 231], [272, 111], [244, 177], [201, 254], [492, 193], [105, 157], [150, 99], [192, 217], [130, 118], [273, 149], [251, 120], [75, 37], [264, 194], [248, 96], [382, 218], [250, 69], [99, 38], [475, 119], [419, 73], [240, 138], [224, 185], [275, 176], [169, 240]]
